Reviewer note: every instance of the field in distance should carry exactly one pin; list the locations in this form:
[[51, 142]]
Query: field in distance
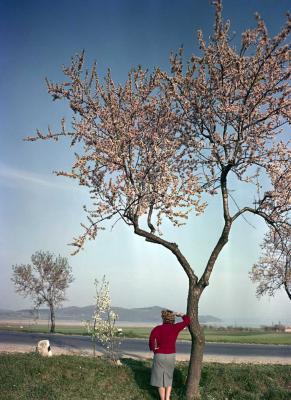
[[218, 335]]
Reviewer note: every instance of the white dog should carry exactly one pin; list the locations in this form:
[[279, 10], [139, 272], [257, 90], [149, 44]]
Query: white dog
[[43, 348]]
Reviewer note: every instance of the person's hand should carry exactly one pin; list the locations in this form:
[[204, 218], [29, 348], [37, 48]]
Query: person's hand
[[178, 314]]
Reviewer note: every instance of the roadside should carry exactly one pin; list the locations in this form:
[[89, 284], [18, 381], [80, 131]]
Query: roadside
[[59, 347], [59, 350]]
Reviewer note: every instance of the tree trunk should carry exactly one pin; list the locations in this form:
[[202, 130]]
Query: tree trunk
[[198, 341], [52, 317]]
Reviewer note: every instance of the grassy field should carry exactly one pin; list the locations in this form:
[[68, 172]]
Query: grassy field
[[28, 376], [256, 336]]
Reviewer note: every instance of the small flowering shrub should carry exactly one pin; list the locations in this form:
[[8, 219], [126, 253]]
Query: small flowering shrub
[[102, 326]]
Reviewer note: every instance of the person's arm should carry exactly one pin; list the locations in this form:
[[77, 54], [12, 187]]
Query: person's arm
[[153, 340], [186, 321]]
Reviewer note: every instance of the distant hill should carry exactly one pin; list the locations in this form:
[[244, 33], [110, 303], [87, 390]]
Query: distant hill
[[146, 314]]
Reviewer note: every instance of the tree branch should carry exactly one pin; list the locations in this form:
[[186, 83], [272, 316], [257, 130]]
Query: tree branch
[[173, 247], [223, 239], [253, 211], [150, 225]]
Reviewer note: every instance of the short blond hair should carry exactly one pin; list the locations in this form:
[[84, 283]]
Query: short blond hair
[[168, 316]]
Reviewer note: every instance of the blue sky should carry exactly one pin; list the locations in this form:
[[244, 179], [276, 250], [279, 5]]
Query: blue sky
[[41, 211]]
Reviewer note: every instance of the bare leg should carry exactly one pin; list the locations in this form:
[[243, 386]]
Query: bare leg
[[162, 392], [168, 392]]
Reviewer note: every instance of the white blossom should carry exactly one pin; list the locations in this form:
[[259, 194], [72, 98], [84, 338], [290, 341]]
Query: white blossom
[[102, 326]]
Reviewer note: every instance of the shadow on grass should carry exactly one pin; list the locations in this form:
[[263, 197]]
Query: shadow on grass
[[141, 371], [142, 374]]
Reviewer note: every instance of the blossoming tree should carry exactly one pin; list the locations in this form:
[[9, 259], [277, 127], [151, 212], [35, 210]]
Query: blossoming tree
[[102, 326], [273, 269], [45, 280], [155, 147]]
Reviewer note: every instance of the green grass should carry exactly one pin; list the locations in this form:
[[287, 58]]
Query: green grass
[[65, 330], [255, 336], [30, 377]]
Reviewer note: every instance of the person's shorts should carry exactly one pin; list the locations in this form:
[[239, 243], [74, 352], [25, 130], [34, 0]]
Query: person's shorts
[[163, 369]]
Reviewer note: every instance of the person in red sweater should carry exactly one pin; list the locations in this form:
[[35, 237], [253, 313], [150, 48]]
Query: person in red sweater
[[162, 342]]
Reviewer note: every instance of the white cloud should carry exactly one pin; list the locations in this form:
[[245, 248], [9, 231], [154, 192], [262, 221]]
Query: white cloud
[[12, 176]]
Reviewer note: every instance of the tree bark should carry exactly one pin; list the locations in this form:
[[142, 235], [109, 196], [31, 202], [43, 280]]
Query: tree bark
[[198, 342], [53, 318]]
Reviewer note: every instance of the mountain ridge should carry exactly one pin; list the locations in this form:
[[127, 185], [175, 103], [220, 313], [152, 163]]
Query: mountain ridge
[[75, 313]]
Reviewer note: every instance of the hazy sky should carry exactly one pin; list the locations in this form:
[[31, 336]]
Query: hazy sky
[[41, 211]]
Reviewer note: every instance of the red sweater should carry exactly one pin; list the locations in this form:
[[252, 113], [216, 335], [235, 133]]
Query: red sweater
[[163, 337]]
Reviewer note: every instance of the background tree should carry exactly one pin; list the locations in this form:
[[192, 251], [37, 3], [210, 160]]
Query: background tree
[[273, 269], [159, 145], [44, 280]]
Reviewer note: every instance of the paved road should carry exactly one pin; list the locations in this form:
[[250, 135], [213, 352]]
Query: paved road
[[140, 346]]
